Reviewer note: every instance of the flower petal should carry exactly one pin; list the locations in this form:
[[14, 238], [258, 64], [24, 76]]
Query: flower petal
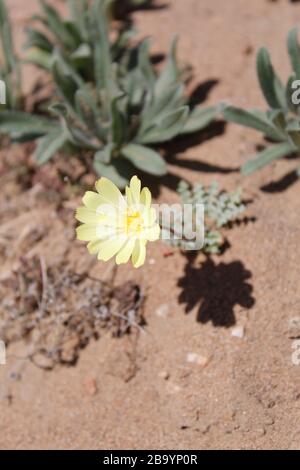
[[92, 200], [139, 253], [145, 197], [133, 192], [104, 231], [129, 197], [109, 193], [124, 254], [110, 247], [152, 233], [87, 232], [94, 247], [88, 216], [135, 188], [149, 216]]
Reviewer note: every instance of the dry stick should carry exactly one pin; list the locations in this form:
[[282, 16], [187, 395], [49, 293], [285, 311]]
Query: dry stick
[[111, 274], [44, 286], [113, 270], [132, 323]]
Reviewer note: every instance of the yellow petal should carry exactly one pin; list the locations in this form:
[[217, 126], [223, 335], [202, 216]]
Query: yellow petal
[[111, 216], [109, 193], [129, 197], [92, 200], [124, 254], [94, 247], [149, 216], [139, 253], [104, 231], [135, 188], [111, 247], [88, 216], [152, 233], [146, 197], [87, 232]]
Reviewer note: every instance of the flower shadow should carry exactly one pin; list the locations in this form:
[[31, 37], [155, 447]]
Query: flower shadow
[[217, 288]]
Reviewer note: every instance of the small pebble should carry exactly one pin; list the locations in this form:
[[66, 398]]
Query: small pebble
[[294, 328], [238, 332], [269, 421], [91, 386], [195, 358], [260, 432], [164, 375], [163, 310], [173, 388]]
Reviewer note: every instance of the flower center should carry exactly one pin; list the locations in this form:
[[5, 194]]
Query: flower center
[[134, 222]]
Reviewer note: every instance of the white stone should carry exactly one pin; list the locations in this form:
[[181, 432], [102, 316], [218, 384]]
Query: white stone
[[194, 358], [238, 332]]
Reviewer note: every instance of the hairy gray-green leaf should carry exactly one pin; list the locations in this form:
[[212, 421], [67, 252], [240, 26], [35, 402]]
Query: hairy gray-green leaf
[[170, 74], [145, 159], [19, 125], [165, 128], [49, 145], [199, 119], [254, 120], [119, 173], [294, 51], [267, 156], [271, 85]]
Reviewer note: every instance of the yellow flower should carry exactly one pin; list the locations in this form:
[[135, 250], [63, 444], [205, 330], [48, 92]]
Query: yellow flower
[[115, 225]]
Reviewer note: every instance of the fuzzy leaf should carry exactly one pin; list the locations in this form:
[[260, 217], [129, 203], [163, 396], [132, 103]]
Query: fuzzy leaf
[[49, 145], [8, 48], [119, 173], [198, 119], [293, 129], [294, 51], [288, 93], [89, 113], [277, 117], [267, 156], [145, 64], [77, 135], [165, 128], [19, 125], [78, 9], [104, 155], [66, 79], [102, 59], [145, 159], [162, 104], [82, 52], [38, 40], [254, 120], [56, 25], [118, 122], [39, 57], [271, 85], [170, 74]]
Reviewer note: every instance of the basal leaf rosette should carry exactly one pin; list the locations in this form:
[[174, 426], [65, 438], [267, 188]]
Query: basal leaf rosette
[[117, 225]]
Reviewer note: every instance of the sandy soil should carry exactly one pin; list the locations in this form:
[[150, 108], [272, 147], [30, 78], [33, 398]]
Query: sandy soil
[[245, 394]]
